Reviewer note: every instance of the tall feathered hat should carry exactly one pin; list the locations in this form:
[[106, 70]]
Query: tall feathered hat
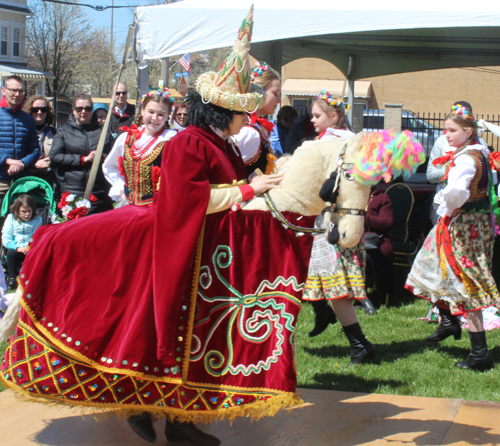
[[231, 88]]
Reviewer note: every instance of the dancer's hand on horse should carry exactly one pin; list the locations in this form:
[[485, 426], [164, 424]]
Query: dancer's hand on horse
[[265, 182]]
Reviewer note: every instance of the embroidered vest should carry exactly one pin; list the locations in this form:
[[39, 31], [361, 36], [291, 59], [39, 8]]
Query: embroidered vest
[[478, 200], [142, 176]]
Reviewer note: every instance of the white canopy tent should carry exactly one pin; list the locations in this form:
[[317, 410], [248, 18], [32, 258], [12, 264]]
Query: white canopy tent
[[384, 37], [362, 39]]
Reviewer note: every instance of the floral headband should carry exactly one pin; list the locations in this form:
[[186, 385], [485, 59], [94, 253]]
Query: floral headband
[[460, 110], [325, 96], [158, 92], [259, 69]]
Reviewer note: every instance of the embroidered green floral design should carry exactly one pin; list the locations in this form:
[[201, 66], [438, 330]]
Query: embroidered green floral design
[[257, 318]]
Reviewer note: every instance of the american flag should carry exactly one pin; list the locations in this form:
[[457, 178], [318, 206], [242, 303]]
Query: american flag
[[185, 62]]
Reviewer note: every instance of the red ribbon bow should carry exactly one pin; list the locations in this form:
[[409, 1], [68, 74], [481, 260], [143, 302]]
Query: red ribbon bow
[[494, 156], [132, 130], [443, 160], [265, 123]]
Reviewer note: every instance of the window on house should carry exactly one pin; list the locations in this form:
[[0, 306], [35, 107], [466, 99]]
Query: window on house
[[16, 39], [3, 44]]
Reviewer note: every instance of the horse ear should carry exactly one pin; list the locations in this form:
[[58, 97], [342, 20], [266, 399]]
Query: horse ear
[[333, 236], [327, 192]]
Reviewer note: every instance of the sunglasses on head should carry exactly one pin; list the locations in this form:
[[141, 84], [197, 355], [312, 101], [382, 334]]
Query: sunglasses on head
[[88, 108], [39, 109], [122, 93]]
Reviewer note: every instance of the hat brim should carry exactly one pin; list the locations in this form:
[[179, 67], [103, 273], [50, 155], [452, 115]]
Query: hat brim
[[246, 102]]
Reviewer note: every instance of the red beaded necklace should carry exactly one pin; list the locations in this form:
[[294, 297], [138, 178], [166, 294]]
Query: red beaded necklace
[[137, 153]]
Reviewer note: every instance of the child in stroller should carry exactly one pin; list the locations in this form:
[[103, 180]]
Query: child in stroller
[[19, 227]]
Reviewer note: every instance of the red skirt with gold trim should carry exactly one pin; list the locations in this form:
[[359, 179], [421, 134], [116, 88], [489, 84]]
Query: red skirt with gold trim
[[86, 335]]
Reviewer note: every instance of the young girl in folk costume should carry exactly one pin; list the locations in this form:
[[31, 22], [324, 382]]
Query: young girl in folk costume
[[253, 140], [453, 268], [336, 274], [133, 165]]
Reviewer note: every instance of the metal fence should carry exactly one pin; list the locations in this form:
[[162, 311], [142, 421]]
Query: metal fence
[[436, 120], [427, 127]]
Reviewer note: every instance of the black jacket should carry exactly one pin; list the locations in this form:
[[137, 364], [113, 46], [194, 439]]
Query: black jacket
[[72, 142], [118, 121]]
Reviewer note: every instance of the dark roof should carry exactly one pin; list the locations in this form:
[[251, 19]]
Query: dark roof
[[23, 9]]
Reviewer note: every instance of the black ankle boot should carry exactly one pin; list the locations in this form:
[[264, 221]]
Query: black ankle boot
[[323, 316], [449, 326], [142, 425], [367, 306], [361, 350], [11, 283], [479, 357], [178, 432]]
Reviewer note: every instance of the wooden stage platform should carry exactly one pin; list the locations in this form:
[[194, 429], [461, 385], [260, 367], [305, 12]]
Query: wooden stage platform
[[326, 418]]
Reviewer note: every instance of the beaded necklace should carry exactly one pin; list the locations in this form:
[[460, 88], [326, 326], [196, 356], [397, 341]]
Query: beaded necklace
[[137, 153]]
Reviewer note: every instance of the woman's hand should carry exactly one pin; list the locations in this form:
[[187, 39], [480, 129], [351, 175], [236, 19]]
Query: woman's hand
[[43, 163], [266, 182], [23, 250], [90, 157]]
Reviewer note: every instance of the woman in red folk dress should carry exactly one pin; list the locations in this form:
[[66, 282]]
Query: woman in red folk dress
[[133, 165], [155, 310]]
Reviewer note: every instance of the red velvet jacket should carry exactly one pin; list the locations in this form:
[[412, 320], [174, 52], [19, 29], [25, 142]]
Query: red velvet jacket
[[192, 161]]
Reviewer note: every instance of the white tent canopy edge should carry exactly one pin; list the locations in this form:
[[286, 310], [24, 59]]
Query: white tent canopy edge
[[196, 25]]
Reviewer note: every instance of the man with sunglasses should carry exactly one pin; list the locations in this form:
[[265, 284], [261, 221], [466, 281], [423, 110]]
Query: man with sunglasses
[[19, 147], [123, 113]]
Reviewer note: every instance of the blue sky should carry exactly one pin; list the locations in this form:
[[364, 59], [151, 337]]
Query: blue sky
[[122, 16]]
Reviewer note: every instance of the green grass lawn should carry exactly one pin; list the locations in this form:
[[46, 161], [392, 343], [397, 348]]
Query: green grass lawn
[[407, 365]]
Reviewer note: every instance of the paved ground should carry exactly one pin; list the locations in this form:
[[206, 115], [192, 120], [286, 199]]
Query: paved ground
[[327, 418]]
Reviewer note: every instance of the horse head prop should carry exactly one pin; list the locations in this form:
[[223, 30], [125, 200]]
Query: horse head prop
[[381, 156], [350, 167]]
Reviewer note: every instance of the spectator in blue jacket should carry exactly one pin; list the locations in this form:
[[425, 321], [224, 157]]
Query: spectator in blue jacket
[[17, 231], [19, 146]]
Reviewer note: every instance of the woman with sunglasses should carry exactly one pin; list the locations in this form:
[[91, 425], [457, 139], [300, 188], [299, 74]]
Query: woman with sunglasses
[[73, 152], [179, 120], [42, 112]]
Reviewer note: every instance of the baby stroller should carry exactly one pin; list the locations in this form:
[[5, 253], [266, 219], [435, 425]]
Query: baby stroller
[[39, 189]]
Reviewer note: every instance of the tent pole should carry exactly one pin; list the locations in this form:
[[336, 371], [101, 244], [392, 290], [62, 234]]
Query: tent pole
[[165, 72], [350, 77], [351, 99], [143, 81]]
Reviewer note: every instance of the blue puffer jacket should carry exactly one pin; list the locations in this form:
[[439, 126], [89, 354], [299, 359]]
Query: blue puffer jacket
[[18, 140], [17, 234]]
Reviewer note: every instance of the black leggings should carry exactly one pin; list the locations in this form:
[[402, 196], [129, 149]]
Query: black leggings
[[15, 260]]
